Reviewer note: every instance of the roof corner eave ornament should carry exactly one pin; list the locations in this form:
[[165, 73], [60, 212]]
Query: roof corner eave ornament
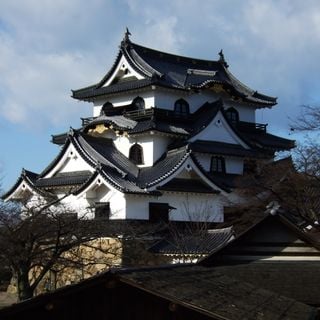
[[222, 59], [126, 38], [71, 132]]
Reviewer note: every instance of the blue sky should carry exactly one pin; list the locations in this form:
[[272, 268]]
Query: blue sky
[[49, 47]]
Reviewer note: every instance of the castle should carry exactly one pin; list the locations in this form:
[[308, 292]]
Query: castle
[[168, 138]]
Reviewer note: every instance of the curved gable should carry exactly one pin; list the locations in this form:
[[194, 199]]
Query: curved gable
[[24, 187], [219, 130], [122, 72]]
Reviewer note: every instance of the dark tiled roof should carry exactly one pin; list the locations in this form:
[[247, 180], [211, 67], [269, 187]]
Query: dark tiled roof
[[162, 169], [29, 178], [92, 92], [103, 151], [225, 181], [161, 126], [186, 185], [167, 121], [218, 295], [67, 179], [285, 225], [190, 292], [296, 280], [169, 70], [202, 243], [268, 141], [118, 121], [121, 183], [59, 139], [221, 148]]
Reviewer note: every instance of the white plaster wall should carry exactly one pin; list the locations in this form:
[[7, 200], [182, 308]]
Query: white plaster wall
[[70, 161], [123, 65], [137, 207], [195, 207], [166, 99], [117, 205], [218, 130], [83, 204], [246, 113], [123, 144], [153, 146], [160, 146], [75, 164]]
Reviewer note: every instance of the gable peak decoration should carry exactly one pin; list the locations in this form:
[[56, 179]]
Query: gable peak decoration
[[222, 58]]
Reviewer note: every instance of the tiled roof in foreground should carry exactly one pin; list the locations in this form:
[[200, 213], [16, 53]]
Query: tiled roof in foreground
[[183, 292]]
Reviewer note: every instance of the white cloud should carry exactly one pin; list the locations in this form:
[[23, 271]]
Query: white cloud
[[50, 47]]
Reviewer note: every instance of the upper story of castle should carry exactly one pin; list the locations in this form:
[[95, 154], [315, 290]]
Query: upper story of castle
[[142, 78]]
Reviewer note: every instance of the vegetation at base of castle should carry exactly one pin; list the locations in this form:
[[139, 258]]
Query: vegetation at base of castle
[[41, 237], [294, 183]]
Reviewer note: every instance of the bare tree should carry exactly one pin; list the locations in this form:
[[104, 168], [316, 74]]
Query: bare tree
[[40, 237], [296, 192], [307, 158], [308, 120]]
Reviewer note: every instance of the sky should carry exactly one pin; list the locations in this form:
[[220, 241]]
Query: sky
[[49, 47]]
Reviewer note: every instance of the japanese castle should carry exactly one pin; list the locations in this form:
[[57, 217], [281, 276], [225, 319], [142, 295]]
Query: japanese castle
[[168, 139]]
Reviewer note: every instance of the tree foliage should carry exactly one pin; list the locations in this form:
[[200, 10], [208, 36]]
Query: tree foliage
[[35, 238]]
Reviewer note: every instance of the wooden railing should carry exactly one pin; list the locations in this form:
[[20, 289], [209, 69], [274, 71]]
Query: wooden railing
[[251, 126], [170, 114]]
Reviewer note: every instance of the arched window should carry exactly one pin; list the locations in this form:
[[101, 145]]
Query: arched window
[[181, 106], [233, 115], [136, 154], [138, 103], [218, 165], [105, 108]]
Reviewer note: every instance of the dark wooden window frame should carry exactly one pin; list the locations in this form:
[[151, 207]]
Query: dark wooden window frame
[[181, 107], [102, 210], [138, 103], [218, 164], [106, 107], [232, 115], [159, 212], [136, 154]]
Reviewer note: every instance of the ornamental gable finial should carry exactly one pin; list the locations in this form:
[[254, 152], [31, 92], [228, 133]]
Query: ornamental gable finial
[[71, 132], [127, 35], [222, 59]]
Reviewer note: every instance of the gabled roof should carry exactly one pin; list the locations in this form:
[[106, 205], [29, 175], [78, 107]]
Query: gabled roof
[[268, 141], [64, 179], [29, 178], [196, 242], [171, 71], [170, 163], [295, 224], [116, 169]]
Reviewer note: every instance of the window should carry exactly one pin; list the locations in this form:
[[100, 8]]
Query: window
[[102, 210], [181, 107], [159, 212], [105, 108], [232, 115], [138, 103], [136, 154], [218, 165]]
